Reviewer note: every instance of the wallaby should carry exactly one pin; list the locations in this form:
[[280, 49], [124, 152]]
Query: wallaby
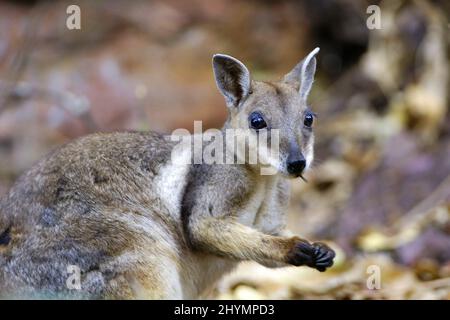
[[113, 216]]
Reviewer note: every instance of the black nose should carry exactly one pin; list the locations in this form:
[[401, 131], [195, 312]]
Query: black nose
[[296, 166]]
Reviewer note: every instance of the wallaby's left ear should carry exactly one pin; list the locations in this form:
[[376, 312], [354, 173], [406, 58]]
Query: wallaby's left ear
[[232, 78], [304, 72]]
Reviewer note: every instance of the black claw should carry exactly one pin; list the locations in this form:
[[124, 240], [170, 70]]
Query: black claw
[[323, 256]]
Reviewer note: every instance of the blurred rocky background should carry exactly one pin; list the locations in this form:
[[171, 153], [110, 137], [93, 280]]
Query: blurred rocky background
[[380, 188]]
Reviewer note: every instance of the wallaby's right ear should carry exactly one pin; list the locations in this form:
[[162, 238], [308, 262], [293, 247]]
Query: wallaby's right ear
[[232, 78]]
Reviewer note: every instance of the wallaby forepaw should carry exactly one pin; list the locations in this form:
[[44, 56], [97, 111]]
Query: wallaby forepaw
[[323, 256], [316, 255]]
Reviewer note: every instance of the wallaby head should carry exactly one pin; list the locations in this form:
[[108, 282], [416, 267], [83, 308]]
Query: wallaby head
[[263, 106]]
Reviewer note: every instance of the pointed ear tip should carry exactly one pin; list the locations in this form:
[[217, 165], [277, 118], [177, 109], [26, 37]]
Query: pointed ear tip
[[315, 52], [220, 58], [217, 56]]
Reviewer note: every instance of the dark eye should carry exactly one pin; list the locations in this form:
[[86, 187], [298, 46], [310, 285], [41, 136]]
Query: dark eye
[[257, 121], [309, 119]]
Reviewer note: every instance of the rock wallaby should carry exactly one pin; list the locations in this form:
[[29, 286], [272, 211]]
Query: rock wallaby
[[119, 216]]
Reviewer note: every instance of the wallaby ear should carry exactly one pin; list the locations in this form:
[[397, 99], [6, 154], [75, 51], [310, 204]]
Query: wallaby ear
[[304, 72], [232, 78]]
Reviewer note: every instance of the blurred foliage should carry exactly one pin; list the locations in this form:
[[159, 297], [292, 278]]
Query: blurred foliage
[[380, 189]]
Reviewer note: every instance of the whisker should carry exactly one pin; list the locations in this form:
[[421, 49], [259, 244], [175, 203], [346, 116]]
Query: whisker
[[303, 178]]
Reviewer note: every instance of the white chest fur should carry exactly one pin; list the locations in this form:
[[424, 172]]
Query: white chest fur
[[172, 178]]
